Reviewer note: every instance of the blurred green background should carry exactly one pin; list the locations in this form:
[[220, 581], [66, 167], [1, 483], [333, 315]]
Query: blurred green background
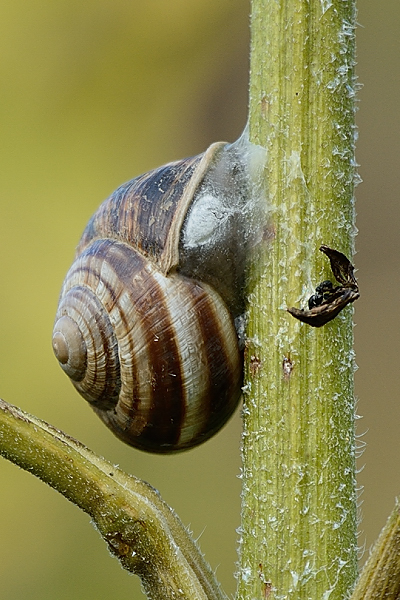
[[92, 94]]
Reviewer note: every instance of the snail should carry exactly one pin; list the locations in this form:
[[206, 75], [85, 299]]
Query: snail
[[149, 317]]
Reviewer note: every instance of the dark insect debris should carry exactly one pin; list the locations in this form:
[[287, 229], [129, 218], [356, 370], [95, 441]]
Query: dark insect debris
[[328, 300]]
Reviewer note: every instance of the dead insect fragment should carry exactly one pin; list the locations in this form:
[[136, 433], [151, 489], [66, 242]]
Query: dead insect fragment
[[328, 300], [322, 292]]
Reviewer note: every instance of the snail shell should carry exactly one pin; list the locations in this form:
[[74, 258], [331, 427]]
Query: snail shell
[[141, 328]]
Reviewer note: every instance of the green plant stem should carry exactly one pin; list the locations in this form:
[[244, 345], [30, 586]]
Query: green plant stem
[[298, 532], [139, 528], [380, 577]]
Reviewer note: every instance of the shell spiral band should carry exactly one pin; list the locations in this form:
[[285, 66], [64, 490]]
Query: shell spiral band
[[145, 326]]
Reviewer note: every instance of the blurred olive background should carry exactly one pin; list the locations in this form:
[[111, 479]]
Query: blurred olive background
[[92, 94]]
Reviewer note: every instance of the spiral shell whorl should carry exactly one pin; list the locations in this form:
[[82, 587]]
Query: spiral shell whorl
[[84, 306], [154, 351], [142, 377]]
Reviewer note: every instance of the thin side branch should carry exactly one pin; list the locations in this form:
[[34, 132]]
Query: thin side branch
[[140, 529], [380, 577]]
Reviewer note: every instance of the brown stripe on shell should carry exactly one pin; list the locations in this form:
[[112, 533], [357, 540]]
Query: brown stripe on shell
[[162, 421], [121, 272], [223, 364], [144, 423], [101, 381], [148, 211], [191, 350], [95, 273], [166, 411], [141, 211], [99, 266]]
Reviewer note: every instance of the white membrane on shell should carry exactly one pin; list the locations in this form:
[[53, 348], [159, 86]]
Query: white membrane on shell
[[207, 216], [230, 203]]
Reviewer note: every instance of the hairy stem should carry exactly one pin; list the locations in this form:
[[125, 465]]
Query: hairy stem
[[298, 532], [139, 528]]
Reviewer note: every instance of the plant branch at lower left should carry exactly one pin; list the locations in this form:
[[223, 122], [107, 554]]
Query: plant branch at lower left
[[140, 529]]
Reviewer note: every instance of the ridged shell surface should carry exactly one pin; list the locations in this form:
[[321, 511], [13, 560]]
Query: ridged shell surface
[[154, 352]]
